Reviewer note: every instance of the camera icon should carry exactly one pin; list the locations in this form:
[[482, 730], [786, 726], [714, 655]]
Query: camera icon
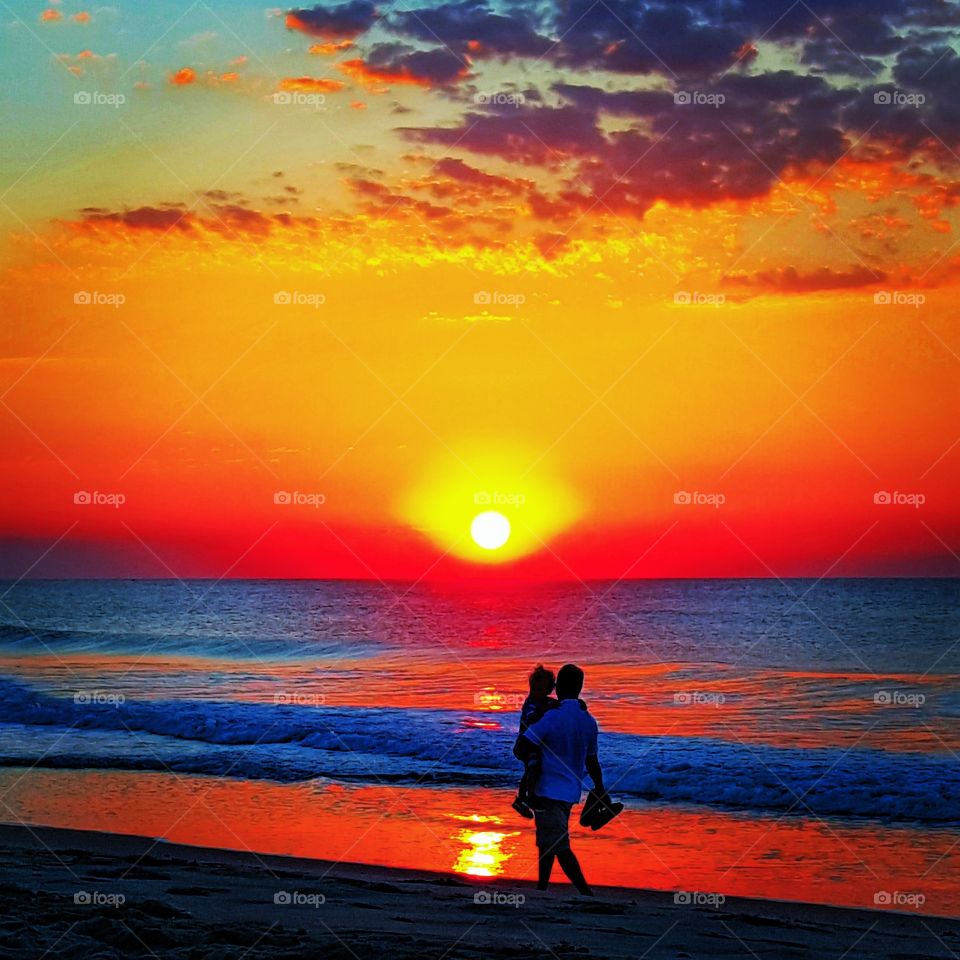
[[82, 897], [83, 98], [883, 698], [682, 498], [882, 497], [281, 897], [283, 97], [482, 896], [681, 97], [83, 298], [682, 898], [882, 899], [82, 497], [81, 698], [883, 97], [282, 498], [482, 297], [882, 298], [283, 297], [481, 98], [683, 297]]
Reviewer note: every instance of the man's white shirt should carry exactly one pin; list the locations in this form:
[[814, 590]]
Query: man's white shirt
[[566, 735]]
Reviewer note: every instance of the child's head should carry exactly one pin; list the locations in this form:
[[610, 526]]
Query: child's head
[[542, 682]]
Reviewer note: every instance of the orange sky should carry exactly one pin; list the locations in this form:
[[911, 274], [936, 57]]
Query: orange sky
[[211, 296]]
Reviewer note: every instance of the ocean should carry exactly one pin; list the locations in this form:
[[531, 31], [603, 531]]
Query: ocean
[[817, 720]]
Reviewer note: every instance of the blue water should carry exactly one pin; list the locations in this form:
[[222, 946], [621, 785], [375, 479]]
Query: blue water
[[355, 682]]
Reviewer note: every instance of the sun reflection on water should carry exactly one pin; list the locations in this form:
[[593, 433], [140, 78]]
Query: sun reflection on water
[[483, 854]]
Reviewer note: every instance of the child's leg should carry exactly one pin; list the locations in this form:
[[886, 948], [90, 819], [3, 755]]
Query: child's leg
[[531, 773], [522, 787]]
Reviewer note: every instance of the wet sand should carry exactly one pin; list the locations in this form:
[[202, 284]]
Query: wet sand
[[87, 894]]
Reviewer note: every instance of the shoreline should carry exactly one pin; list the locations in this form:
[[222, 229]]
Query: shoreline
[[61, 883], [474, 832]]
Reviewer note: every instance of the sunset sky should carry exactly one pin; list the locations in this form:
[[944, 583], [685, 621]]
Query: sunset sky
[[299, 292]]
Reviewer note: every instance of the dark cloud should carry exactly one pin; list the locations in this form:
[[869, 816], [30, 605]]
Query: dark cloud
[[389, 64], [333, 23], [733, 139], [455, 169], [533, 135], [702, 37], [379, 200], [229, 218], [165, 217], [695, 38], [641, 38], [631, 103], [792, 280], [471, 26]]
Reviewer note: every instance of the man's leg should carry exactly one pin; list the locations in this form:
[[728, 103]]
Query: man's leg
[[545, 864], [571, 867]]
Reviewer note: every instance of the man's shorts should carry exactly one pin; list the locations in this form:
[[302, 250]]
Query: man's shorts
[[553, 825]]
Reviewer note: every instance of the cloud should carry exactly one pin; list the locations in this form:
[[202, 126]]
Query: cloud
[[311, 84], [219, 212], [472, 26], [734, 138], [379, 200], [348, 20], [161, 218], [183, 77], [330, 47], [390, 64], [454, 169], [531, 135], [792, 280]]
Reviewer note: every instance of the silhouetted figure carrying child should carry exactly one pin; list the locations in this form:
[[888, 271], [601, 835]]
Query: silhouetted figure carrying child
[[539, 700]]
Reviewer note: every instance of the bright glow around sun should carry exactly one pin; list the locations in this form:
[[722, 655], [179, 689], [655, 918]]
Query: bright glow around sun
[[490, 530], [483, 502]]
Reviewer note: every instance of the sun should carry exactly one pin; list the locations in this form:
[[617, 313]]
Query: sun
[[490, 530]]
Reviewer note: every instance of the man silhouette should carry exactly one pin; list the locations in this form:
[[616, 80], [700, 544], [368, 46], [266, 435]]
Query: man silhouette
[[567, 739]]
